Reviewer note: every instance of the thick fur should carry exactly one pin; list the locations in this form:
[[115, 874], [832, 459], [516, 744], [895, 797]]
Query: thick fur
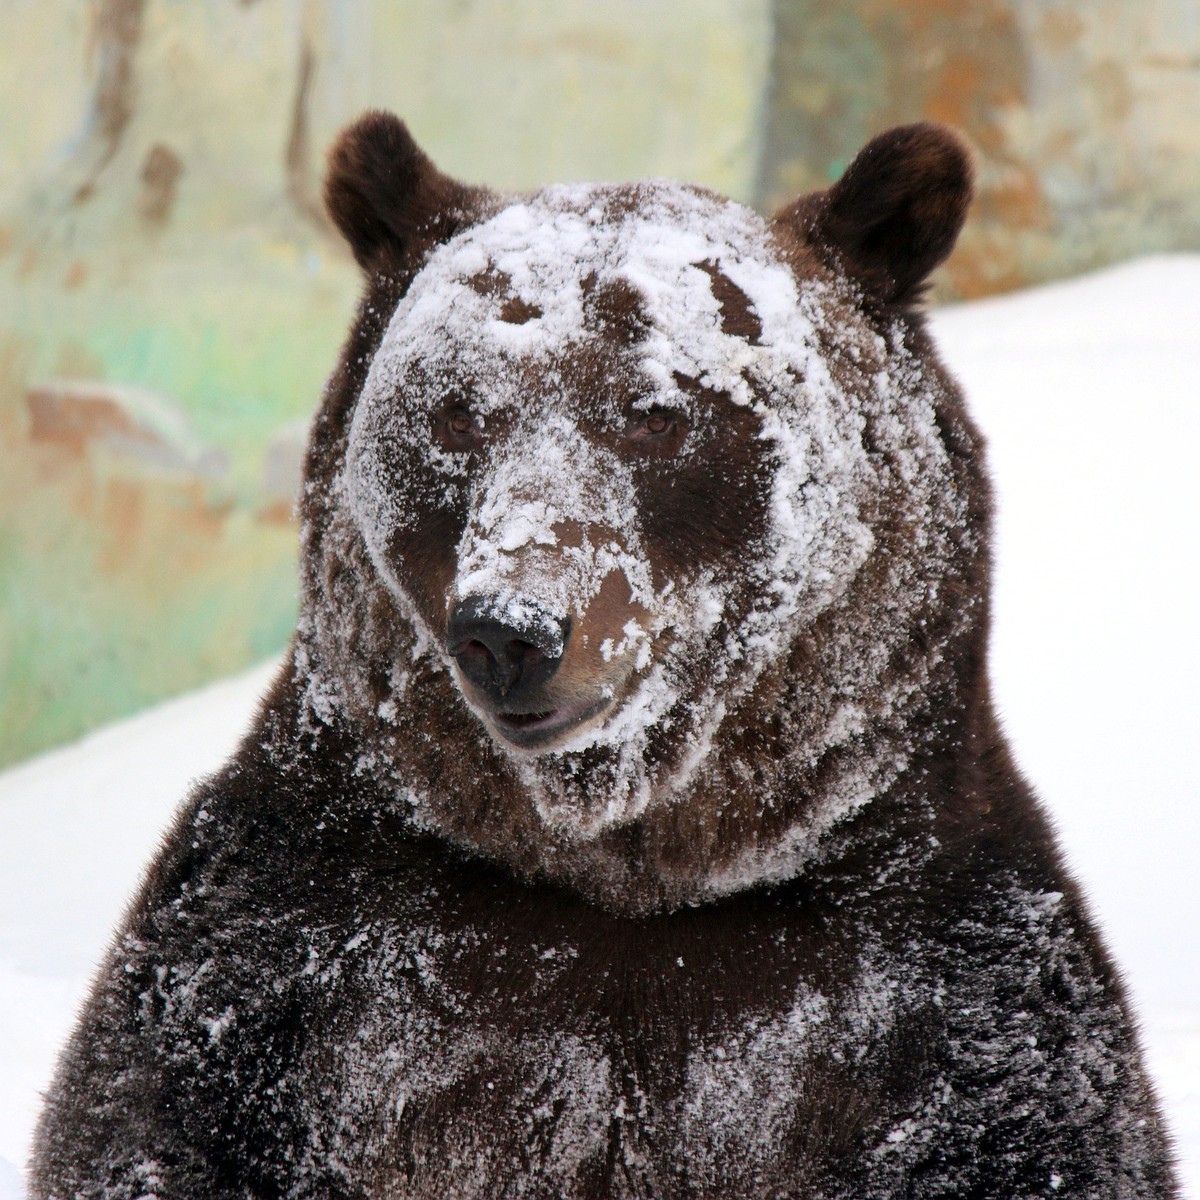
[[896, 212], [800, 930]]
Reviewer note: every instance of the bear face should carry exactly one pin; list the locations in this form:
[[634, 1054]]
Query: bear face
[[660, 519]]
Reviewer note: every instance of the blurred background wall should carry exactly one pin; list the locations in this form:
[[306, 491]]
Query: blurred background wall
[[171, 296]]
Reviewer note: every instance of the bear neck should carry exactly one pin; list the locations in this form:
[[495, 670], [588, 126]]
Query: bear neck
[[761, 808]]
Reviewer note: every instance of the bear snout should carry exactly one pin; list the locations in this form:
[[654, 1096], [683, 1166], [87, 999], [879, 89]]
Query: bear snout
[[508, 659], [508, 652], [508, 655]]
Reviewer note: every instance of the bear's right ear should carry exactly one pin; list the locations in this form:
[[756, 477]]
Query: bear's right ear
[[383, 192], [894, 215]]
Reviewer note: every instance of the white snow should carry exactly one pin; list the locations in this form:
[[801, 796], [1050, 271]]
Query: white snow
[[1088, 392]]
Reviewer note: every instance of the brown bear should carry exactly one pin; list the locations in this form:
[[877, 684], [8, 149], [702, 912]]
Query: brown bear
[[631, 819]]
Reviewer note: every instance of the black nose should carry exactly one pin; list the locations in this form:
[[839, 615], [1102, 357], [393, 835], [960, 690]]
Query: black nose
[[507, 650]]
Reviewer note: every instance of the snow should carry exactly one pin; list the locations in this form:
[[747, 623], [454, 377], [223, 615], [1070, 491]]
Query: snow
[[1087, 392]]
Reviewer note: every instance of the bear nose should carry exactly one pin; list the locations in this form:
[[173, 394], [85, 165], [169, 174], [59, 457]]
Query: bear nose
[[507, 651]]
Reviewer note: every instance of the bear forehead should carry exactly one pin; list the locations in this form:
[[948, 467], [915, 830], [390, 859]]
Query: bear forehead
[[690, 282], [559, 241]]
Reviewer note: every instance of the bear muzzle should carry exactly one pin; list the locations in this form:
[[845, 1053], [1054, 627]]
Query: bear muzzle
[[507, 657], [508, 654]]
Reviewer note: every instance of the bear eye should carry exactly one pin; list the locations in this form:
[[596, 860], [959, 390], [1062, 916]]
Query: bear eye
[[656, 430], [458, 428]]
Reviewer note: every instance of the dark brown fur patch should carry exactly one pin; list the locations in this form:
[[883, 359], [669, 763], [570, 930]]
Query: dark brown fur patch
[[516, 311], [738, 315], [616, 307], [495, 283]]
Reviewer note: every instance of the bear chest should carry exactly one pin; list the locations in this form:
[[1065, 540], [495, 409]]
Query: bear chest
[[575, 1055]]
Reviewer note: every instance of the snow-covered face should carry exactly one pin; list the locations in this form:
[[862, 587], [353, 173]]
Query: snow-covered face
[[603, 466]]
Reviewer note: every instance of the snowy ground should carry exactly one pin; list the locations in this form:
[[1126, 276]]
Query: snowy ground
[[1090, 394]]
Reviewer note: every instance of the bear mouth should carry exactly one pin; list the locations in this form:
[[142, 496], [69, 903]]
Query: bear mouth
[[543, 730]]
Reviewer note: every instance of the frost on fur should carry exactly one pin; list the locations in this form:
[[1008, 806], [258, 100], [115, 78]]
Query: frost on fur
[[632, 820]]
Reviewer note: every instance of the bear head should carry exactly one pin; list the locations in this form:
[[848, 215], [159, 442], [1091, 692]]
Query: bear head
[[643, 538]]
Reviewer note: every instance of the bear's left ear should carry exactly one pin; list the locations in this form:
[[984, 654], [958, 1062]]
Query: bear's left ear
[[894, 215], [383, 192]]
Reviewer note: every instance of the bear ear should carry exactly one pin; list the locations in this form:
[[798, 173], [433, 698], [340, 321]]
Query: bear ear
[[383, 192], [896, 212]]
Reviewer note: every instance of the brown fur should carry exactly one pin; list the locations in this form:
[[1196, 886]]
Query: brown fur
[[894, 215], [366, 965]]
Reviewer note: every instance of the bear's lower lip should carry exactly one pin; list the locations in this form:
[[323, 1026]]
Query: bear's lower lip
[[536, 731]]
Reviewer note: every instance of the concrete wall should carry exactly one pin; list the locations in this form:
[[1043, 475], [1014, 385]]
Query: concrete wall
[[1083, 114], [171, 296]]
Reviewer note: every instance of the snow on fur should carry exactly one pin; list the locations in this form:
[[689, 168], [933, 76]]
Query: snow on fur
[[384, 954], [447, 332]]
